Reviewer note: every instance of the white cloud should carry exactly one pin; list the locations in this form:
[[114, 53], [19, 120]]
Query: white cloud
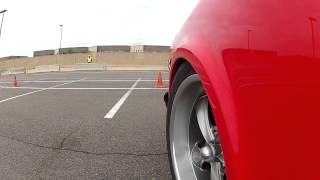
[[34, 24]]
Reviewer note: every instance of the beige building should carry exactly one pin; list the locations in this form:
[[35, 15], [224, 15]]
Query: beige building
[[136, 49], [111, 57]]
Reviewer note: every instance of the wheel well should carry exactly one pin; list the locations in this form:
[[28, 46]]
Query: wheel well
[[181, 62]]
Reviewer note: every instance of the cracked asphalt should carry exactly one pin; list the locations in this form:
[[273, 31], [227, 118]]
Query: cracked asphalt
[[52, 126]]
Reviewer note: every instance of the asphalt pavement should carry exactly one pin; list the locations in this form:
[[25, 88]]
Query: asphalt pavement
[[83, 125]]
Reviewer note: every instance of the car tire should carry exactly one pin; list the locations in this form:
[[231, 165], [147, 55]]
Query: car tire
[[186, 137]]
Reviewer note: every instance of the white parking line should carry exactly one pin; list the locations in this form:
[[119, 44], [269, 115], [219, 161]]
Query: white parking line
[[89, 80], [39, 90], [120, 80], [117, 106], [56, 88], [38, 81]]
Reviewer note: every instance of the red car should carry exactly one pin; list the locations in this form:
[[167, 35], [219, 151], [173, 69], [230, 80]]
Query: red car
[[244, 93]]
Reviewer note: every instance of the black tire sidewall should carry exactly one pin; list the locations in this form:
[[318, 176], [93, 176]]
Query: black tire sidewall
[[183, 72]]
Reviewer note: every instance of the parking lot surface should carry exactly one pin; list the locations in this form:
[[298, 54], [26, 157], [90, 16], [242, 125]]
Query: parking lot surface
[[83, 125]]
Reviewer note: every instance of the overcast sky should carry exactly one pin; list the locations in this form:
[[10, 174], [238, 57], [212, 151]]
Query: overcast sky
[[34, 24]]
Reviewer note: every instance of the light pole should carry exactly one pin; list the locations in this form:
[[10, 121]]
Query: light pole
[[2, 12], [61, 28]]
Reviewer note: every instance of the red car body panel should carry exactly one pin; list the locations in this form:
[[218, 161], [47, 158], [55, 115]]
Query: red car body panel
[[259, 63]]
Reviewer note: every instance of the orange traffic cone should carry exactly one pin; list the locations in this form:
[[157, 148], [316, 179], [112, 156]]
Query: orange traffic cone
[[159, 82], [15, 82]]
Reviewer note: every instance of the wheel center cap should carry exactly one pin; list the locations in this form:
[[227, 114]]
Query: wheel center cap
[[201, 155], [206, 152]]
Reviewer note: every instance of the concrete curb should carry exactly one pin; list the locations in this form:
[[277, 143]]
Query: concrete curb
[[47, 68], [18, 70], [88, 67], [81, 67]]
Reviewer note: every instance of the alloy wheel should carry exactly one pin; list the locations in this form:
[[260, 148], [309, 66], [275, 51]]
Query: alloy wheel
[[194, 138]]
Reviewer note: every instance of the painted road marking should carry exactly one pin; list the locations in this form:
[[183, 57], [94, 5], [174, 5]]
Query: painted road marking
[[89, 80], [116, 71], [101, 72], [117, 106], [120, 80], [39, 90], [57, 88], [40, 81]]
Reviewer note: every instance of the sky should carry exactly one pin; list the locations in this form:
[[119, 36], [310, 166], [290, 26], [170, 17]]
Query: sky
[[31, 25]]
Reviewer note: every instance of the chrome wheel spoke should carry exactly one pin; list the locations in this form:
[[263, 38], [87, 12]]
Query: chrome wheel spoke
[[204, 121], [221, 159], [215, 173]]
